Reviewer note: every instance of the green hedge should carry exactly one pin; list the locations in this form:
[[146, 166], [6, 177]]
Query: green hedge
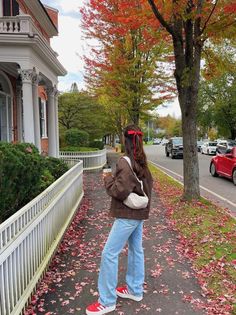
[[78, 149], [97, 144], [24, 173], [76, 137]]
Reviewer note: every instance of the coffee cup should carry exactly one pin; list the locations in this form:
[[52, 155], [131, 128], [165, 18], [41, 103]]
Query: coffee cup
[[107, 170]]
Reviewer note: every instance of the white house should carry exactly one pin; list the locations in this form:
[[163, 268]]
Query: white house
[[29, 71]]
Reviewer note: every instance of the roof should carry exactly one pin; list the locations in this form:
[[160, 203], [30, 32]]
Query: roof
[[48, 14], [42, 15]]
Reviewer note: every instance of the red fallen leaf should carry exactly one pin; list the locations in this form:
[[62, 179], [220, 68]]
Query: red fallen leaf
[[41, 310], [187, 298], [157, 272], [66, 302]]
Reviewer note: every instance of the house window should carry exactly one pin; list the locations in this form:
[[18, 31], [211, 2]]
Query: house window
[[10, 7], [6, 120], [43, 118], [5, 117]]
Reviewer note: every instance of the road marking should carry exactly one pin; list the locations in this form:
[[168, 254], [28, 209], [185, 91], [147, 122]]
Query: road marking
[[202, 187]]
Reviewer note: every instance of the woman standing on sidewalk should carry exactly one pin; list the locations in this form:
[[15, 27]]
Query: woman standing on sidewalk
[[127, 227]]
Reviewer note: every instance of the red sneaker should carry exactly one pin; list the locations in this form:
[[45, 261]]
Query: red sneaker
[[124, 293], [98, 309]]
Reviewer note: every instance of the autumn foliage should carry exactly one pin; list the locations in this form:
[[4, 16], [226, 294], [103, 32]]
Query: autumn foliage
[[135, 38], [122, 68]]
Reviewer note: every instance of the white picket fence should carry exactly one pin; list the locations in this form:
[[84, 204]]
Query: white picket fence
[[29, 238], [91, 160]]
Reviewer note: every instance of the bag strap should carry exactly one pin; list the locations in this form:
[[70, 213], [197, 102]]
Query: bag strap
[[139, 180]]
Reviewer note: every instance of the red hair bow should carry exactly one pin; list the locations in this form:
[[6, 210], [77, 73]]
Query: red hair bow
[[135, 133]]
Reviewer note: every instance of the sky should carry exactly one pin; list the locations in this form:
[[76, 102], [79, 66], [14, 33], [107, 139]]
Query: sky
[[71, 47]]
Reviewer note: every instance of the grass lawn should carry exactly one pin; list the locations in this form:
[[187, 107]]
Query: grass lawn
[[208, 238]]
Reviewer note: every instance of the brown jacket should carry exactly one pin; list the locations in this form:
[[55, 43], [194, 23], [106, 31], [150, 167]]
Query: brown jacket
[[121, 185]]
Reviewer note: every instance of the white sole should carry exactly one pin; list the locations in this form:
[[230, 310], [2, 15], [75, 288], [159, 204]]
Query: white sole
[[129, 296], [107, 310]]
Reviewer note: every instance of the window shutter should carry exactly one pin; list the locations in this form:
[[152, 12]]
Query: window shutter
[[15, 7], [40, 117], [6, 8]]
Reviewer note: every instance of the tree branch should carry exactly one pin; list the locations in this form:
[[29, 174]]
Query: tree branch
[[160, 18], [209, 17]]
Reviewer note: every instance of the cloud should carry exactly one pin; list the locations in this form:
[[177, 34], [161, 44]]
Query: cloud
[[66, 81], [69, 8], [169, 108], [69, 44]]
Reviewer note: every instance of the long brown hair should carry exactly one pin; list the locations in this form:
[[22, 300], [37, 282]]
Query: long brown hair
[[133, 141]]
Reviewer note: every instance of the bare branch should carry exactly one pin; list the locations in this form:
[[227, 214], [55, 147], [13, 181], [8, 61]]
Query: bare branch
[[209, 17], [160, 18]]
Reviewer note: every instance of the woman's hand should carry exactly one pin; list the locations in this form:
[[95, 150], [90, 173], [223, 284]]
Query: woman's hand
[[105, 175]]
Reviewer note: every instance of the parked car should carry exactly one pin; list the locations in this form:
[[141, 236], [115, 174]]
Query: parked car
[[199, 145], [224, 165], [222, 146], [209, 147], [164, 141], [174, 147], [157, 141]]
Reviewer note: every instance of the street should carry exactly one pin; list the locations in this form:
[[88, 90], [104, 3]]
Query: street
[[218, 189]]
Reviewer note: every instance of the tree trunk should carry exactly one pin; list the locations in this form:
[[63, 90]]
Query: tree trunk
[[186, 35], [187, 72], [190, 162], [233, 134]]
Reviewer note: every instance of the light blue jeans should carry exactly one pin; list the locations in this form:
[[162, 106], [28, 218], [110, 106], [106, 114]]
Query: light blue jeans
[[123, 231]]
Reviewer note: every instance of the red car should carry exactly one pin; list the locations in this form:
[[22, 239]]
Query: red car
[[224, 165]]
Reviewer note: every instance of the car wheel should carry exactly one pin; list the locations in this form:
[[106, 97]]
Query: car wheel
[[213, 170], [234, 177]]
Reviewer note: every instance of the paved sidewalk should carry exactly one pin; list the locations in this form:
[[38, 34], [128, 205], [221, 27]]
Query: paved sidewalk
[[71, 282]]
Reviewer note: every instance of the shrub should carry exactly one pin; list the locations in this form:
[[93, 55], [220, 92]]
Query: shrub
[[55, 166], [21, 169], [78, 149], [46, 180], [76, 137], [97, 144], [24, 174]]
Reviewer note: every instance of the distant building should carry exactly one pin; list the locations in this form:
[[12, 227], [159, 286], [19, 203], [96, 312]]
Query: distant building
[[29, 71], [74, 88]]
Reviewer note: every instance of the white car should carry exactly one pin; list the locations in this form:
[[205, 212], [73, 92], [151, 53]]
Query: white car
[[209, 147], [157, 141], [164, 141]]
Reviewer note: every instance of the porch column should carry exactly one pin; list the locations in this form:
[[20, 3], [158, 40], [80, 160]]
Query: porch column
[[19, 111], [56, 118], [35, 81], [52, 134], [28, 111]]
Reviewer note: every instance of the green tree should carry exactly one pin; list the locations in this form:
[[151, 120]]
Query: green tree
[[171, 125], [82, 111], [217, 104], [191, 26]]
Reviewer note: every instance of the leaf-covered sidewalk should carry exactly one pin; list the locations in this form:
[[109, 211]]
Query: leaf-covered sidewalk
[[71, 281]]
